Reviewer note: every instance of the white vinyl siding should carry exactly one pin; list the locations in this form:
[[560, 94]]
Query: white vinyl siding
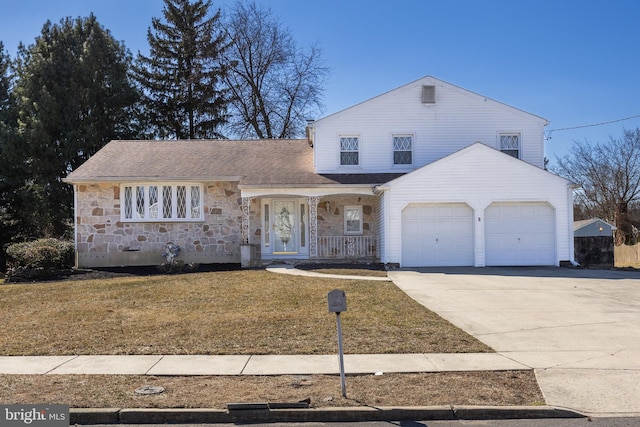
[[458, 119], [161, 202], [478, 176], [380, 225]]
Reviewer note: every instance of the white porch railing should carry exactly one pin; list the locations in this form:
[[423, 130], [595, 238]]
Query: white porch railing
[[344, 247]]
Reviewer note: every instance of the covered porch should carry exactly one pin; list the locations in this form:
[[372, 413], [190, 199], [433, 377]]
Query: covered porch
[[309, 224]]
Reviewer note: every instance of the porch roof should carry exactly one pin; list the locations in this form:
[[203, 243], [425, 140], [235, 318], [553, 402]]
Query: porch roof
[[251, 163]]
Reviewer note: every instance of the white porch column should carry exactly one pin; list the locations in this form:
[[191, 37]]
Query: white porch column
[[246, 214], [312, 201]]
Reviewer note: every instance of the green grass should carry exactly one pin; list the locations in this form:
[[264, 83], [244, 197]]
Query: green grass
[[237, 312]]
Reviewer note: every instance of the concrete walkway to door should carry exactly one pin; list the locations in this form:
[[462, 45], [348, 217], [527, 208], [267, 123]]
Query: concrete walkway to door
[[578, 329]]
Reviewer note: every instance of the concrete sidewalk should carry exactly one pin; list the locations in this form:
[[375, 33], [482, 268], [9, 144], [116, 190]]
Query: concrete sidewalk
[[171, 365], [255, 365], [289, 269]]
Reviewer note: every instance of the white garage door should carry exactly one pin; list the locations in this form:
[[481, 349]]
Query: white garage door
[[437, 235], [520, 234]]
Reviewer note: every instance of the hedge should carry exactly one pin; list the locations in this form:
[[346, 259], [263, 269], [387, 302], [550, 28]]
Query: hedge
[[42, 253]]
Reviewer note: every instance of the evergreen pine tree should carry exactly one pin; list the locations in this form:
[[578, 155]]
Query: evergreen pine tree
[[74, 95], [8, 123], [6, 98], [182, 75]]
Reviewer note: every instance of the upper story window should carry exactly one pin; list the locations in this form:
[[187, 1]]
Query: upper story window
[[161, 202], [349, 151], [402, 150], [510, 144]]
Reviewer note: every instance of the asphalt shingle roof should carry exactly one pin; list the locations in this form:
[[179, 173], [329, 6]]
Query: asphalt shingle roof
[[251, 162]]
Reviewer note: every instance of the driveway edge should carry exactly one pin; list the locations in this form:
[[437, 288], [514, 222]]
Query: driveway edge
[[85, 416]]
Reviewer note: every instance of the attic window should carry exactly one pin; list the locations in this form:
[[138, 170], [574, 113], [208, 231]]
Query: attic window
[[428, 94]]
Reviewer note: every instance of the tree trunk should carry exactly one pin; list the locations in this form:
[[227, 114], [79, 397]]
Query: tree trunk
[[623, 232]]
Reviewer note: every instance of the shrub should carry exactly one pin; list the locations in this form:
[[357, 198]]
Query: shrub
[[177, 266], [42, 253], [174, 265]]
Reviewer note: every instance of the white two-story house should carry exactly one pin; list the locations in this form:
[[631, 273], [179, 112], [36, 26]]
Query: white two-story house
[[428, 174]]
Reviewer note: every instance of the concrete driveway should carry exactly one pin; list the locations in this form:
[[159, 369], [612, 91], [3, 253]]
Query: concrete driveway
[[578, 329]]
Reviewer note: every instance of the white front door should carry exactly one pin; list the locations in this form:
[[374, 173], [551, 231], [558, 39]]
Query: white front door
[[285, 228]]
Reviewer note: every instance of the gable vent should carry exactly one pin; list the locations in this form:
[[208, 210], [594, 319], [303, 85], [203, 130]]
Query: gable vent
[[428, 94]]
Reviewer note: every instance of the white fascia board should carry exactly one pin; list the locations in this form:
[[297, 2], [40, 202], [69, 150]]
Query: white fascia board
[[365, 190]]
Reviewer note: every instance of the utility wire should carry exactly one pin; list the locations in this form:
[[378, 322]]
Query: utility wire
[[591, 125]]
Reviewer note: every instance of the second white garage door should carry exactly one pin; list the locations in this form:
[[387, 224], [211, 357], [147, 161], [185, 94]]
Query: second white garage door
[[437, 235], [520, 234]]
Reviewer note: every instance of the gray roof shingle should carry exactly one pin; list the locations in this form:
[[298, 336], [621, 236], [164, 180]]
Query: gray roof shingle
[[250, 162]]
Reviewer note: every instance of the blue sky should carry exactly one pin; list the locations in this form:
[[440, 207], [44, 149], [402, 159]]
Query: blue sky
[[573, 62]]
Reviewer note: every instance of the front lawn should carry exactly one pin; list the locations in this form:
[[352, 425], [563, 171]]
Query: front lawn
[[237, 312], [231, 312]]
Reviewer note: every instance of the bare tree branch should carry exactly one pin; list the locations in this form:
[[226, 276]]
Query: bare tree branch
[[610, 178], [276, 85]]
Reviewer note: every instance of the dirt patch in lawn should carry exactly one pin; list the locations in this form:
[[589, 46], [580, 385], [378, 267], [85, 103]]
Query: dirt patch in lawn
[[506, 388]]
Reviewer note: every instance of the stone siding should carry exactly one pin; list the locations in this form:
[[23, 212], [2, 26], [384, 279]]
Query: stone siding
[[104, 240], [331, 223]]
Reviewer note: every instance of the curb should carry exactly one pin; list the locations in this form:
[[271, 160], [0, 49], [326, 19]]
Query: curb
[[347, 414]]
